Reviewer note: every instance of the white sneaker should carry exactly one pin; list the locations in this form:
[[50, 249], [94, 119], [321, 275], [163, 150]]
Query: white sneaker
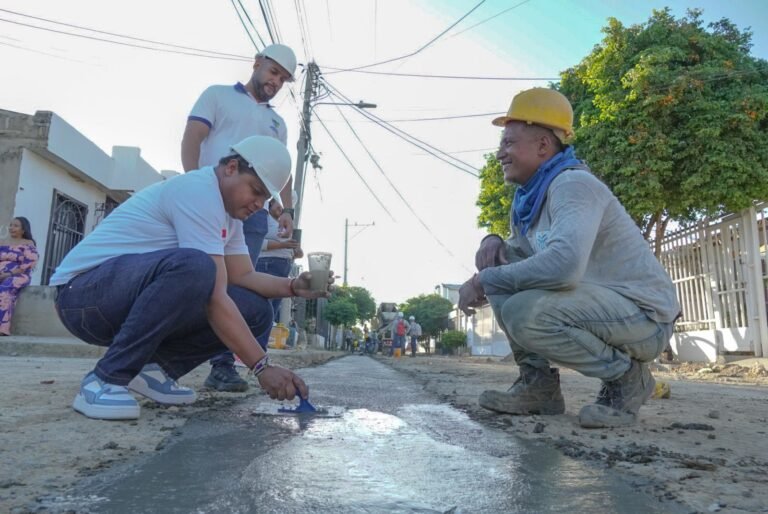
[[100, 400], [153, 383]]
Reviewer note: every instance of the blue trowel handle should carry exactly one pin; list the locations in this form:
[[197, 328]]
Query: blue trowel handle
[[305, 406]]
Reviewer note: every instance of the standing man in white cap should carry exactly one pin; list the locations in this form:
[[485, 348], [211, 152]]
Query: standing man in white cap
[[165, 282], [414, 331], [222, 116], [575, 284]]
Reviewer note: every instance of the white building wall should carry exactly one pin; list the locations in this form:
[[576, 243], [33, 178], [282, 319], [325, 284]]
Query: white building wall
[[37, 181]]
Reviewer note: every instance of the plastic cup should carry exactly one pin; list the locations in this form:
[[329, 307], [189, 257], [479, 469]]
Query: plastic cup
[[319, 267]]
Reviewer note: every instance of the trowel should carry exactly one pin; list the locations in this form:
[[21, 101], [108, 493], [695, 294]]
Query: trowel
[[303, 409]]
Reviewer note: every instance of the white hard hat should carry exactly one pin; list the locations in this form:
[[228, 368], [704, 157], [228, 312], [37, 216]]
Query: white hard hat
[[400, 314], [270, 159], [411, 318], [283, 56]]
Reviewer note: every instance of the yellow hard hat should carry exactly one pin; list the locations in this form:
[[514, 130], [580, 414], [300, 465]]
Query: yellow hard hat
[[541, 106]]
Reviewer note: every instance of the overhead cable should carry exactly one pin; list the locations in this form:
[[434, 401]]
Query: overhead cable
[[123, 43], [124, 36], [352, 165], [397, 191], [437, 76], [489, 19], [420, 49], [434, 151]]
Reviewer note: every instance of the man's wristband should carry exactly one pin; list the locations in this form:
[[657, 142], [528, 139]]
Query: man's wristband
[[289, 210], [260, 366], [290, 286]]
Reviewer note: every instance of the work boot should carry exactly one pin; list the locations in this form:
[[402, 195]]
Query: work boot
[[224, 377], [619, 401], [536, 391]]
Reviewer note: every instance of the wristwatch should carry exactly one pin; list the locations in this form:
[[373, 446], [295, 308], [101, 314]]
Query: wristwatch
[[288, 210]]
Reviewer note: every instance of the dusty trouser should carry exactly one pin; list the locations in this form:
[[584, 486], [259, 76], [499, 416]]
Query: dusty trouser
[[590, 329]]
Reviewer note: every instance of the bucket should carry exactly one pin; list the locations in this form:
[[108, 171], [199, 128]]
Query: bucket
[[278, 336], [396, 353]]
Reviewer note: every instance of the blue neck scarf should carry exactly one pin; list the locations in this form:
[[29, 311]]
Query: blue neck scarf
[[529, 198]]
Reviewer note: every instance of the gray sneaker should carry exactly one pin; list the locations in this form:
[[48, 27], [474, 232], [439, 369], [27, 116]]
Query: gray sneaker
[[619, 401], [536, 391], [224, 377]]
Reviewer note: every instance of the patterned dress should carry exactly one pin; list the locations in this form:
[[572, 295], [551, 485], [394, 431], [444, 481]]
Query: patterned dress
[[14, 257]]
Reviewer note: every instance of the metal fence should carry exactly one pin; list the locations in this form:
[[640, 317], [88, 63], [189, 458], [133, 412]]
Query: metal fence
[[718, 268]]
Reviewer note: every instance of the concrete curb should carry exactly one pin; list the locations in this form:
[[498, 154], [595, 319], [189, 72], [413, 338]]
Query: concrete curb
[[33, 346]]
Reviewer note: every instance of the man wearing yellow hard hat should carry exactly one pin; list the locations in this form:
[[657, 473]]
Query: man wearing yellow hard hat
[[575, 284]]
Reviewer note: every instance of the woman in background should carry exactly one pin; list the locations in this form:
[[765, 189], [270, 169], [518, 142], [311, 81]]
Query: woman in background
[[18, 256]]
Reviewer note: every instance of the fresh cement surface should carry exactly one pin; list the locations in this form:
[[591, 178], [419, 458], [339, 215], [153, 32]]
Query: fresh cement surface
[[49, 453], [394, 448]]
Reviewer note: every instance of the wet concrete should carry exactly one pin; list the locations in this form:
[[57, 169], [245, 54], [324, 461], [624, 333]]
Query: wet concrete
[[394, 449]]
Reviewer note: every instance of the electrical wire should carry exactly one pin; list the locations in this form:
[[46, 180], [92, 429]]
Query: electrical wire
[[420, 49], [253, 26], [489, 19], [421, 145], [266, 20], [133, 38], [353, 167], [454, 77], [122, 43], [397, 191]]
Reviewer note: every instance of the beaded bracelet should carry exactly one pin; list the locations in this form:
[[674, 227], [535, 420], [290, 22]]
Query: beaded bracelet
[[290, 286], [260, 366]]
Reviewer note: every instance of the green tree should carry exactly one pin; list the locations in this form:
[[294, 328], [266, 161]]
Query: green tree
[[431, 311], [495, 199], [340, 311], [672, 116], [366, 305], [451, 340]]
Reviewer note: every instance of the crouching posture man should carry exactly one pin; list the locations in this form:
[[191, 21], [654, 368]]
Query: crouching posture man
[[165, 282], [576, 283]]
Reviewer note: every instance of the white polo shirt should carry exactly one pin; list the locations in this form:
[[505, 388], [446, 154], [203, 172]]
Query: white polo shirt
[[186, 211], [233, 114]]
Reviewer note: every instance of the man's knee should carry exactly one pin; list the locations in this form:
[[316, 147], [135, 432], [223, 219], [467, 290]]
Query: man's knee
[[195, 268], [518, 313], [255, 309]]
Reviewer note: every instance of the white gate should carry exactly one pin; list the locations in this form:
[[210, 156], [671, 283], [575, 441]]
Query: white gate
[[718, 268]]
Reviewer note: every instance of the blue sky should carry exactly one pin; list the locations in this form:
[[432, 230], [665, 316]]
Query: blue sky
[[117, 95]]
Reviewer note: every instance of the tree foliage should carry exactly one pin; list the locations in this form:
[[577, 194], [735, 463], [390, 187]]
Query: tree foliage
[[366, 305], [340, 311], [348, 305], [431, 312], [495, 199], [671, 114]]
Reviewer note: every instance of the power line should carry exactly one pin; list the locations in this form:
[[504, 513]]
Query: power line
[[353, 167], [253, 25], [419, 49], [266, 20], [242, 22], [490, 18], [454, 77], [397, 191], [122, 43], [456, 117], [421, 145], [133, 38]]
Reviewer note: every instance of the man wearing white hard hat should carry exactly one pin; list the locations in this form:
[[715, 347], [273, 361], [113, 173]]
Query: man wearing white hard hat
[[222, 116], [414, 332], [165, 282]]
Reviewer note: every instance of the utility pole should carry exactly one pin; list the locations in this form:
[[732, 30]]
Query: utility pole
[[346, 241], [304, 140]]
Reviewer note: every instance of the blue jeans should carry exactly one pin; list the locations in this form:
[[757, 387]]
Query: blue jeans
[[151, 307], [278, 267], [590, 329], [254, 230]]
